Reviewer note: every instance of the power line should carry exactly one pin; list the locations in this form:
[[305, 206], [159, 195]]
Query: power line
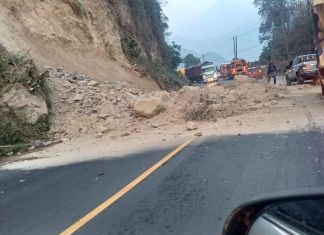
[[247, 33], [244, 50], [250, 48], [231, 39]]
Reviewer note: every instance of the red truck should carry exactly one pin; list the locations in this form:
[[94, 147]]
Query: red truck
[[239, 67]]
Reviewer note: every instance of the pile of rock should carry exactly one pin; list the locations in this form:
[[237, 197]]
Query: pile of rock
[[84, 106], [212, 102]]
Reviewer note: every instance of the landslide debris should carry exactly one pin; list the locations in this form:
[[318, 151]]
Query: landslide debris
[[82, 106]]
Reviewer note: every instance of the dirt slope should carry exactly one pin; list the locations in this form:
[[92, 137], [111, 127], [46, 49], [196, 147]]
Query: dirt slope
[[55, 35]]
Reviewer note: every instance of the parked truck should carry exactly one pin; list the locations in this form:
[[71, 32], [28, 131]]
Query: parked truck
[[239, 67], [318, 17], [202, 73]]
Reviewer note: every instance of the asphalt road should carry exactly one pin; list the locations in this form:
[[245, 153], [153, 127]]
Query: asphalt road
[[191, 194]]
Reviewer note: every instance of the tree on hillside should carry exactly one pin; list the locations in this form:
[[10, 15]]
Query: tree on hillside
[[286, 29], [173, 56], [190, 60]]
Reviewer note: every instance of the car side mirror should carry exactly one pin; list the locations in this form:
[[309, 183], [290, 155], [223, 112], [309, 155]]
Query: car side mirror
[[293, 215]]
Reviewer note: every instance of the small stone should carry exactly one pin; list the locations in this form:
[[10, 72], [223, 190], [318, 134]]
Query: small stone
[[83, 83], [65, 140], [274, 102], [78, 98], [155, 125], [125, 134], [192, 126], [31, 148], [93, 83], [102, 129], [99, 135], [199, 134], [257, 101]]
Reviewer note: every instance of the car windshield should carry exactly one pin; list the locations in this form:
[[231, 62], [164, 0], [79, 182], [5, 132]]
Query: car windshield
[[149, 117], [309, 58], [306, 58], [208, 70]]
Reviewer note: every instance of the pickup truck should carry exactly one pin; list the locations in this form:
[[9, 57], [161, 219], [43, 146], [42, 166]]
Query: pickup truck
[[302, 68]]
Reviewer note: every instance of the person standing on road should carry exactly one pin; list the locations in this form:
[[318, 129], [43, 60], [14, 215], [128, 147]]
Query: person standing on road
[[272, 72]]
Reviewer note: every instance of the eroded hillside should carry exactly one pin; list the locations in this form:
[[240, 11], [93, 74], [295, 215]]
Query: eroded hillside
[[85, 35]]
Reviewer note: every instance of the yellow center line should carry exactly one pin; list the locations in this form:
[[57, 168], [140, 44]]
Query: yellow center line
[[88, 217]]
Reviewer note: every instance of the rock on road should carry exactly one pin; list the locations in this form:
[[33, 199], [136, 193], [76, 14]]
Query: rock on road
[[191, 194]]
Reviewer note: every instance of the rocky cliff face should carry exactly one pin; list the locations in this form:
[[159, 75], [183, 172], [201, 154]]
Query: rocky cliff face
[[84, 35]]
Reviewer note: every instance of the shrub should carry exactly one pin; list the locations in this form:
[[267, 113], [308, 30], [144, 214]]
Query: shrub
[[130, 47], [78, 7], [19, 69], [16, 132], [165, 77], [200, 112]]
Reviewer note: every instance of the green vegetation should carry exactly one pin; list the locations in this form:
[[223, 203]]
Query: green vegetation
[[173, 59], [190, 60], [286, 29], [130, 47], [78, 7], [17, 69], [145, 42], [13, 130], [166, 78]]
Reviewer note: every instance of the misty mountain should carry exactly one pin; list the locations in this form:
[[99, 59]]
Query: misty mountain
[[213, 31], [217, 59]]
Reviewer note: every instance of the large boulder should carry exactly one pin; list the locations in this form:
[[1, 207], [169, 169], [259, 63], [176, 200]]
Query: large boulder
[[190, 94], [148, 107], [26, 106]]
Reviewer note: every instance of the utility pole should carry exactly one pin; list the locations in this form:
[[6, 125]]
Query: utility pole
[[235, 47], [236, 57]]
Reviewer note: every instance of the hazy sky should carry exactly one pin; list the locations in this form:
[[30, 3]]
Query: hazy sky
[[180, 11], [184, 15]]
